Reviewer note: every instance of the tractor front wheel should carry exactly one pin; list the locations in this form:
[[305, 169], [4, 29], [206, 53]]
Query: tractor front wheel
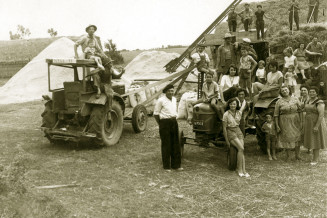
[[108, 131], [139, 118]]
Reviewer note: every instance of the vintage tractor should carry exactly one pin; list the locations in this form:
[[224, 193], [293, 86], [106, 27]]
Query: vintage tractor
[[208, 128], [76, 114]]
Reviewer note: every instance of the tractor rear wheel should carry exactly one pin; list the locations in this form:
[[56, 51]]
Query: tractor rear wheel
[[49, 119], [107, 132], [139, 118], [232, 158]]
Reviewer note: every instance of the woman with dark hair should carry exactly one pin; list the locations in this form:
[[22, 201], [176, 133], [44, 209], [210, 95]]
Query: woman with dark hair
[[288, 119], [315, 131], [233, 134], [304, 92], [229, 83], [274, 79], [303, 65]]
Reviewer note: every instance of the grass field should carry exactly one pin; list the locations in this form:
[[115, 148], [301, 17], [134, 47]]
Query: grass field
[[127, 180]]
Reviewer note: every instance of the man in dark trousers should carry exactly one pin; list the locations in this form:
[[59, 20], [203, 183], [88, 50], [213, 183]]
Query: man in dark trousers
[[294, 15], [260, 23], [232, 20], [313, 11], [246, 16], [165, 113]]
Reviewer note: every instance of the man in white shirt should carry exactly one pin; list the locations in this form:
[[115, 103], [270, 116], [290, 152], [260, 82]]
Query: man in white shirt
[[165, 113]]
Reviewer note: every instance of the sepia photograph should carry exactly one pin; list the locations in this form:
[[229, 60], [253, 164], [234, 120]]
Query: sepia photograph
[[163, 108]]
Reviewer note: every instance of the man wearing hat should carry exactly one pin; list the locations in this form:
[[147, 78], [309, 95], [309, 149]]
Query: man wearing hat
[[165, 113], [225, 56], [90, 46], [245, 44]]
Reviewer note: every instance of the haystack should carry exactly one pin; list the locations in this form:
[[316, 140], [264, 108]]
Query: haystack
[[31, 82], [149, 65]]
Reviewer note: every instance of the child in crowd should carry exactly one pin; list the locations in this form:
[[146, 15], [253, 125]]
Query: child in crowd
[[211, 94], [261, 77], [271, 136], [289, 59], [290, 78], [247, 65], [261, 72]]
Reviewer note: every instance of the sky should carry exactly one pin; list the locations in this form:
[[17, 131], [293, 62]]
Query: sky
[[131, 24]]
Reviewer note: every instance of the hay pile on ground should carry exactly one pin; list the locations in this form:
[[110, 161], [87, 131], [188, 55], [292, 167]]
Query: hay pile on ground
[[31, 82], [149, 65]]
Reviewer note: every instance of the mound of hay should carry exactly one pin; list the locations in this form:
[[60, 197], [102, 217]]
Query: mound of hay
[[31, 82], [149, 65]]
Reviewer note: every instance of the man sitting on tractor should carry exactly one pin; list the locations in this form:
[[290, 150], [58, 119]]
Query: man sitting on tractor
[[91, 48], [211, 94]]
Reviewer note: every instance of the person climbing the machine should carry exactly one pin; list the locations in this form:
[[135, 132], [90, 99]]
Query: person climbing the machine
[[211, 94]]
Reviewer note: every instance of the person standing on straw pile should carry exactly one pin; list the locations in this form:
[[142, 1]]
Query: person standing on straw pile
[[246, 16], [260, 23], [294, 15], [165, 113]]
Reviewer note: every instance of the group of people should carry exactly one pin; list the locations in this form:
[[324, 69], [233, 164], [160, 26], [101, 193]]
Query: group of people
[[313, 9], [247, 16], [296, 120]]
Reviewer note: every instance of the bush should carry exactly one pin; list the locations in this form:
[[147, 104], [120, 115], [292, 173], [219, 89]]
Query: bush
[[113, 53]]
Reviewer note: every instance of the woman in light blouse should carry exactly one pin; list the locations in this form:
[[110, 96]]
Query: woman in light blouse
[[233, 134]]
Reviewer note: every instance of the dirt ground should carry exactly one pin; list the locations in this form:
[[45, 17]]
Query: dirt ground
[[127, 180]]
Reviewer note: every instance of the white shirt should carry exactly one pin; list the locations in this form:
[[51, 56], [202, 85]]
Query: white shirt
[[196, 57], [260, 73], [242, 105], [228, 81], [166, 108], [289, 61]]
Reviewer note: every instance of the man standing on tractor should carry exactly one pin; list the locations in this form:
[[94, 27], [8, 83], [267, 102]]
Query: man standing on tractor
[[165, 113], [225, 56]]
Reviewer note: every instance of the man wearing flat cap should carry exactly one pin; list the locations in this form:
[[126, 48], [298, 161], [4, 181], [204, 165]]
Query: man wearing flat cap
[[165, 113], [225, 55]]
